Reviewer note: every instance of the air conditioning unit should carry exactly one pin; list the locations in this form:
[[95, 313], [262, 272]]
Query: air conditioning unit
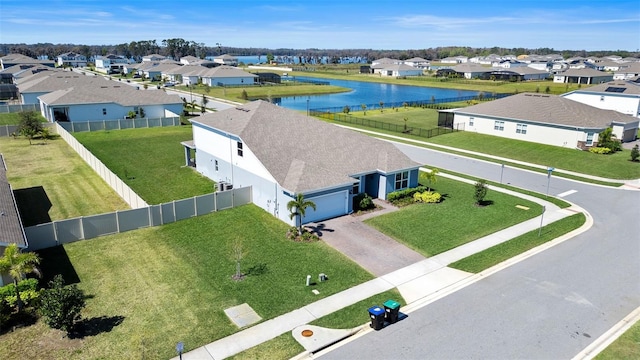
[[228, 186], [221, 186]]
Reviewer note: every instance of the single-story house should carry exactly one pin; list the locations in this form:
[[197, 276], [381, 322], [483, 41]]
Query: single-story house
[[11, 229], [471, 71], [400, 70], [153, 58], [582, 76], [455, 60], [42, 83], [228, 75], [226, 59], [10, 60], [281, 153], [545, 119], [621, 96], [629, 71], [72, 59], [109, 101]]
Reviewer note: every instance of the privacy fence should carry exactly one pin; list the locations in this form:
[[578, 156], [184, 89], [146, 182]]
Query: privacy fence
[[18, 108], [9, 130], [118, 124], [88, 227]]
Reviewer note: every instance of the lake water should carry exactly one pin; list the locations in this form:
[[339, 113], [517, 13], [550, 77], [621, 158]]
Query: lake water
[[368, 93]]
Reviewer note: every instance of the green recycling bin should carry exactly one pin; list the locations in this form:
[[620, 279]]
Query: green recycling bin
[[391, 311], [376, 313]]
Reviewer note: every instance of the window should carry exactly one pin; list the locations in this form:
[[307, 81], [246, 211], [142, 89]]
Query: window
[[216, 165], [521, 129], [471, 121], [239, 148], [498, 125], [356, 188], [589, 139], [104, 111], [402, 180]]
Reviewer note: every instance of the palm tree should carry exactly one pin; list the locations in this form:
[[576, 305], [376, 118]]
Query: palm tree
[[17, 264], [298, 207]]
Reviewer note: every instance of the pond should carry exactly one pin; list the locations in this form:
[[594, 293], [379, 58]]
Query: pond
[[368, 93]]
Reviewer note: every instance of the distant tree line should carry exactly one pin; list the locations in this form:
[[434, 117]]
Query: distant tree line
[[178, 47]]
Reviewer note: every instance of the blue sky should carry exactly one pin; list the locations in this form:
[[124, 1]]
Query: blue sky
[[329, 24]]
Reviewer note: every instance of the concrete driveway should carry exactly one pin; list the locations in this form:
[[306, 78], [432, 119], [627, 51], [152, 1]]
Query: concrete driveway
[[369, 248]]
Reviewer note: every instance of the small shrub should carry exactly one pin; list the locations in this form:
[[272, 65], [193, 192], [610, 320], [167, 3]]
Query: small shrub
[[62, 305], [346, 109], [480, 191], [244, 95], [427, 197], [292, 233], [362, 202], [406, 193], [23, 285], [29, 298], [600, 150], [635, 153]]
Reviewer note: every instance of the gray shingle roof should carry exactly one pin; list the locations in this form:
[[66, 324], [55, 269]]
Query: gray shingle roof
[[547, 109], [303, 153], [51, 81], [11, 231], [124, 95], [630, 88]]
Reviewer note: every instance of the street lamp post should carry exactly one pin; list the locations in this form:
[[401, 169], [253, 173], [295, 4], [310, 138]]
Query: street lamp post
[[544, 208], [549, 171], [501, 172]]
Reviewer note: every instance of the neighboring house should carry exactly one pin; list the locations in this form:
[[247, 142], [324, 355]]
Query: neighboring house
[[401, 70], [386, 61], [109, 101], [111, 64], [72, 59], [43, 83], [153, 58], [520, 73], [11, 229], [455, 60], [10, 60], [508, 64], [621, 96], [471, 71], [629, 71], [281, 153], [226, 59], [545, 119], [228, 75], [582, 76], [418, 62]]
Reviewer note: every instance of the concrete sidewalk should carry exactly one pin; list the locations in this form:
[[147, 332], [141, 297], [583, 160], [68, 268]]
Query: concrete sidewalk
[[418, 283]]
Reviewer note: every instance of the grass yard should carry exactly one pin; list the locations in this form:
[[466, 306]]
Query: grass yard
[[51, 182], [626, 346], [150, 161], [616, 166], [14, 118], [416, 117], [431, 229], [516, 246], [151, 288], [286, 347]]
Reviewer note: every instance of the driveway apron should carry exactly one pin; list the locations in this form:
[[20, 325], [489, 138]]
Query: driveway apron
[[369, 248]]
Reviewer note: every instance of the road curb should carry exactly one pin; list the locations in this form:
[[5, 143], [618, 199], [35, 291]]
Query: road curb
[[609, 337]]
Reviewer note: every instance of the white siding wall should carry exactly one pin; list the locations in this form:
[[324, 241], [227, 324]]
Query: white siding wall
[[244, 80], [94, 112], [534, 133], [624, 104]]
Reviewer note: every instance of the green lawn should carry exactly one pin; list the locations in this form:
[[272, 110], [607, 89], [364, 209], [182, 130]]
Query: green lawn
[[434, 228], [616, 166], [150, 161], [499, 253], [626, 346], [51, 182], [416, 117], [14, 118], [151, 288]]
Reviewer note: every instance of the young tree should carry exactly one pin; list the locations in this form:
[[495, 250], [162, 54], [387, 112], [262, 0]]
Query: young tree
[[17, 264], [61, 305], [480, 191], [430, 177], [364, 108], [29, 126], [238, 253], [203, 109], [635, 153], [298, 207]]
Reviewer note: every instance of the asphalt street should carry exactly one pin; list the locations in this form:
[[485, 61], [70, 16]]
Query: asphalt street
[[549, 306]]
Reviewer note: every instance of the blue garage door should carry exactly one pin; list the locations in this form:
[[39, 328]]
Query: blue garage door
[[327, 206]]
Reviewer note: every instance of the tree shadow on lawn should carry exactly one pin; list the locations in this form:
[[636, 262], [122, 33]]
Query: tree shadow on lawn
[[34, 205], [54, 261], [95, 326], [484, 203]]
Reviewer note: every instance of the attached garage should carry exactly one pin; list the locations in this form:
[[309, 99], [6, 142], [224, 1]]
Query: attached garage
[[327, 206]]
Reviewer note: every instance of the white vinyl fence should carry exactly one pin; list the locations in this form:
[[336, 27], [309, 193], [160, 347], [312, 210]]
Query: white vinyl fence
[[87, 227], [7, 130], [114, 181], [118, 124], [19, 108]]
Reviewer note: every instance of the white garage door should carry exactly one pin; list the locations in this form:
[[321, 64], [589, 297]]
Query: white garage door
[[327, 206]]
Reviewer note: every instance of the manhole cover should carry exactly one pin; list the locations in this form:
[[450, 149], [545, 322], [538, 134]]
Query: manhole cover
[[307, 333]]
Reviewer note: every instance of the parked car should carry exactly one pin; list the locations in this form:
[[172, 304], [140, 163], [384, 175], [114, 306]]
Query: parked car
[[169, 84]]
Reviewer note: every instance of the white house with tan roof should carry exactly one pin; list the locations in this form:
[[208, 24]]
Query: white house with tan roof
[[582, 76], [226, 59], [545, 119], [249, 146], [32, 87], [109, 101], [621, 95], [228, 75]]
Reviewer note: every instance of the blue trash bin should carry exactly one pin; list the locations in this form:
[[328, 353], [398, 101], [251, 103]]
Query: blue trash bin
[[376, 313]]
